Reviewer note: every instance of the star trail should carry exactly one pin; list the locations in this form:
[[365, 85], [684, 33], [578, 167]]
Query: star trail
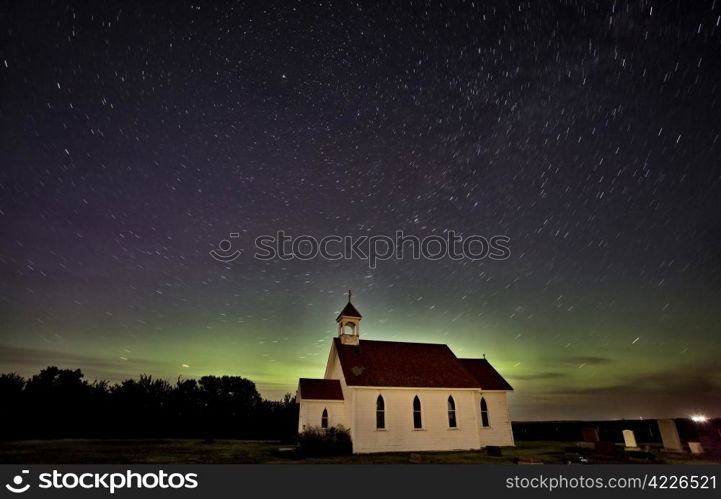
[[137, 136]]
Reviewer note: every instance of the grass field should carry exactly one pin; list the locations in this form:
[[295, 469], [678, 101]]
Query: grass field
[[183, 451]]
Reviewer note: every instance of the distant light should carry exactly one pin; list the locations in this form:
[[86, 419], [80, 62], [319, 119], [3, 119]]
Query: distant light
[[699, 418]]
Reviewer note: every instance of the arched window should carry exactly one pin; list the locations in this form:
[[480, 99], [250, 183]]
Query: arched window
[[324, 419], [451, 412], [484, 413], [417, 420], [380, 413]]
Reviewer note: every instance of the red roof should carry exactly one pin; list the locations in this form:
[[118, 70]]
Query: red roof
[[320, 389], [485, 374], [421, 365], [390, 363]]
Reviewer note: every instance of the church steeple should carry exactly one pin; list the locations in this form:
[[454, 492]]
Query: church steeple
[[349, 323]]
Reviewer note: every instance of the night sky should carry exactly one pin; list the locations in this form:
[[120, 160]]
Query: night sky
[[137, 135]]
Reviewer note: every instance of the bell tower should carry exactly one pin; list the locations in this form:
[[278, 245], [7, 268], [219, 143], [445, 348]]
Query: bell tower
[[349, 323]]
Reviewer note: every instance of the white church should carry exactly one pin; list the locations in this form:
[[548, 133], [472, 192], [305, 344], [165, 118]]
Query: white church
[[395, 396]]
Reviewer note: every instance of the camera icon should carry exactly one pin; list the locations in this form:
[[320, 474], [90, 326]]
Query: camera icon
[[17, 487], [224, 254]]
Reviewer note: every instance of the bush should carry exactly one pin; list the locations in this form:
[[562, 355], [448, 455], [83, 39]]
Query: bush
[[333, 441]]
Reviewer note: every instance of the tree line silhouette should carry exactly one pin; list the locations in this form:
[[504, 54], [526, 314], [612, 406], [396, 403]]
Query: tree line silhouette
[[61, 403]]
